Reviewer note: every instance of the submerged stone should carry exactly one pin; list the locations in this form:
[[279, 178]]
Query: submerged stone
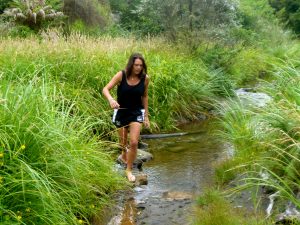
[[253, 98]]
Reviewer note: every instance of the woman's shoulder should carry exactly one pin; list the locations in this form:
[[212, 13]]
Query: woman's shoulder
[[147, 79], [118, 77], [119, 74]]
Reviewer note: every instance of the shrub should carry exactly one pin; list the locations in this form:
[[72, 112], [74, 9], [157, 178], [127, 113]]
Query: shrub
[[32, 13]]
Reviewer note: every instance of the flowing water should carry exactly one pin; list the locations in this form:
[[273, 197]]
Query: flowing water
[[181, 169]]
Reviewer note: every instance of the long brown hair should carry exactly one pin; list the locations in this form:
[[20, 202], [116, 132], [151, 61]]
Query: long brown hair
[[131, 61]]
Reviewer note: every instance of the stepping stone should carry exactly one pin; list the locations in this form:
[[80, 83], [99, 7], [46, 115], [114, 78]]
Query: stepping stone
[[141, 179], [142, 156], [138, 163]]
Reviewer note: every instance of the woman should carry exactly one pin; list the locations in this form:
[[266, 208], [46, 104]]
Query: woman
[[131, 106]]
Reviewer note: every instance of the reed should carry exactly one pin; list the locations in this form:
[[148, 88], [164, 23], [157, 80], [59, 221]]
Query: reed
[[80, 67], [52, 170], [266, 140], [214, 209]]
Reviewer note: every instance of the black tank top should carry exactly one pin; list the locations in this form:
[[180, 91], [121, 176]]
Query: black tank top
[[130, 96]]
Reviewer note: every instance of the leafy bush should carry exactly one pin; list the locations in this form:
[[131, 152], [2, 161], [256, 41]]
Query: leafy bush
[[249, 65], [289, 12], [217, 56], [32, 13], [4, 4], [91, 12], [19, 31]]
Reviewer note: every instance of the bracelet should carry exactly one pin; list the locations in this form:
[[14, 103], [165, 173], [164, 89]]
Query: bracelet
[[111, 99]]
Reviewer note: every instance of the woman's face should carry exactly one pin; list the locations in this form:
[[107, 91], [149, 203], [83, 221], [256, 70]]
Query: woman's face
[[137, 66]]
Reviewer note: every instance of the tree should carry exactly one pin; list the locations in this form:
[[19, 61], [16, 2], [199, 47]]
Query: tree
[[173, 16], [91, 12], [289, 12]]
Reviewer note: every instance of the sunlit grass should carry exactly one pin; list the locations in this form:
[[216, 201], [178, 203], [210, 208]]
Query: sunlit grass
[[52, 170], [266, 140], [80, 67], [213, 209]]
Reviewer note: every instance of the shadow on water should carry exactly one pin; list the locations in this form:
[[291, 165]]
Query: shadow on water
[[181, 169]]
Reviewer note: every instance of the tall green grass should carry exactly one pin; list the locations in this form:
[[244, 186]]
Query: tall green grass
[[53, 171], [81, 66], [266, 139], [214, 209]]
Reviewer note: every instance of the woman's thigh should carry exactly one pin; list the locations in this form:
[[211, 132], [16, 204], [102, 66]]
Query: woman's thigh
[[135, 129]]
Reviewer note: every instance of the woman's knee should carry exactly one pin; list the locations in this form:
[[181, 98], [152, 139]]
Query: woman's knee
[[134, 144]]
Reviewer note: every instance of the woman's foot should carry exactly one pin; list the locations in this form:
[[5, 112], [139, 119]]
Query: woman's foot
[[130, 176]]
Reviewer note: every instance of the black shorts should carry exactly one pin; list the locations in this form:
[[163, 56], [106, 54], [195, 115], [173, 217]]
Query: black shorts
[[123, 117]]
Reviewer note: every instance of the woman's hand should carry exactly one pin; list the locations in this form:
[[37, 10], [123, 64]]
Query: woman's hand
[[147, 122], [113, 103]]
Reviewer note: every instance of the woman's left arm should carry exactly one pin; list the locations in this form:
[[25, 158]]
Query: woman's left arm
[[145, 102]]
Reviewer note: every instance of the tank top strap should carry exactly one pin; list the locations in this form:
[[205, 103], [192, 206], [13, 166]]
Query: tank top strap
[[123, 76]]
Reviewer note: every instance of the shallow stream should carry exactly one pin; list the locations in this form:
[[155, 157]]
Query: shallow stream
[[181, 169]]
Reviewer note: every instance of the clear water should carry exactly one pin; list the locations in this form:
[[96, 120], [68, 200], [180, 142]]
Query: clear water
[[182, 166]]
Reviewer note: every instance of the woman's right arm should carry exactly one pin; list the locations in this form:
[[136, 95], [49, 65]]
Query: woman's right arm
[[113, 82]]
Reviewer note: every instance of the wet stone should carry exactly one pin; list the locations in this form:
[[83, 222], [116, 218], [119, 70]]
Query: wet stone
[[141, 179], [137, 164], [142, 156], [249, 98]]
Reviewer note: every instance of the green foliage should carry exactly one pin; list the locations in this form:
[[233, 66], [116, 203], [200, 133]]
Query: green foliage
[[249, 65], [289, 12], [91, 12], [32, 13], [214, 209], [138, 19], [57, 5], [173, 17], [179, 87], [217, 55], [224, 172], [255, 17], [112, 31], [4, 4], [118, 6], [115, 31], [259, 8], [266, 140], [221, 83], [78, 26], [20, 31], [52, 170]]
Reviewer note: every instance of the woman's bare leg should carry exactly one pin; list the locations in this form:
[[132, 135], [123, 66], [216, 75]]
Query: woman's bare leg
[[123, 131], [134, 134]]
